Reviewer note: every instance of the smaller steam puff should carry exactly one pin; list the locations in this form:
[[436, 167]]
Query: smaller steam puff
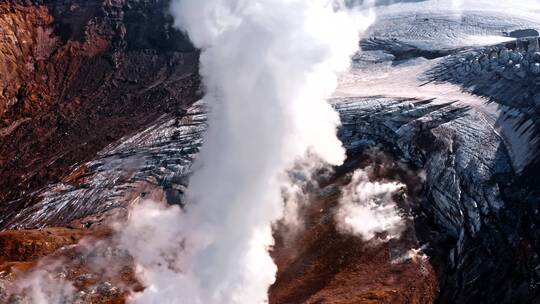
[[367, 208]]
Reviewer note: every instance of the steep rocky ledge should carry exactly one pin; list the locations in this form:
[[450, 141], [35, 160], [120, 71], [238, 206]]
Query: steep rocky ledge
[[78, 75]]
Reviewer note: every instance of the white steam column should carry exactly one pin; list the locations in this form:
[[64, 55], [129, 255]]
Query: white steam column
[[268, 67]]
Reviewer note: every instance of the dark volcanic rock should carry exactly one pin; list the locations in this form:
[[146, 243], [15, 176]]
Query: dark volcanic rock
[[78, 75], [478, 226], [507, 74]]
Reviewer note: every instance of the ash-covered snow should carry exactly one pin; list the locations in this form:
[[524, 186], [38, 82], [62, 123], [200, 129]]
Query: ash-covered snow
[[158, 157]]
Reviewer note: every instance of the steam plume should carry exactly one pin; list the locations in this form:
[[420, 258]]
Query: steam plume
[[39, 286], [268, 67], [367, 208]]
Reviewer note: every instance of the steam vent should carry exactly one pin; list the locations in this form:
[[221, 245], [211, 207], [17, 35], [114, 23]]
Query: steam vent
[[269, 151]]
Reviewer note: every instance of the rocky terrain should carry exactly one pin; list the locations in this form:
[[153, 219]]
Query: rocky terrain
[[79, 75], [98, 112]]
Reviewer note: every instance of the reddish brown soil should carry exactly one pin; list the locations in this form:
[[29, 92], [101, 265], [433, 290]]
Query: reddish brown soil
[[78, 75], [324, 266], [320, 266], [60, 250], [31, 245]]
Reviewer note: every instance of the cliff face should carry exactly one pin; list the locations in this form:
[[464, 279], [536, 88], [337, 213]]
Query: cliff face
[[78, 75]]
